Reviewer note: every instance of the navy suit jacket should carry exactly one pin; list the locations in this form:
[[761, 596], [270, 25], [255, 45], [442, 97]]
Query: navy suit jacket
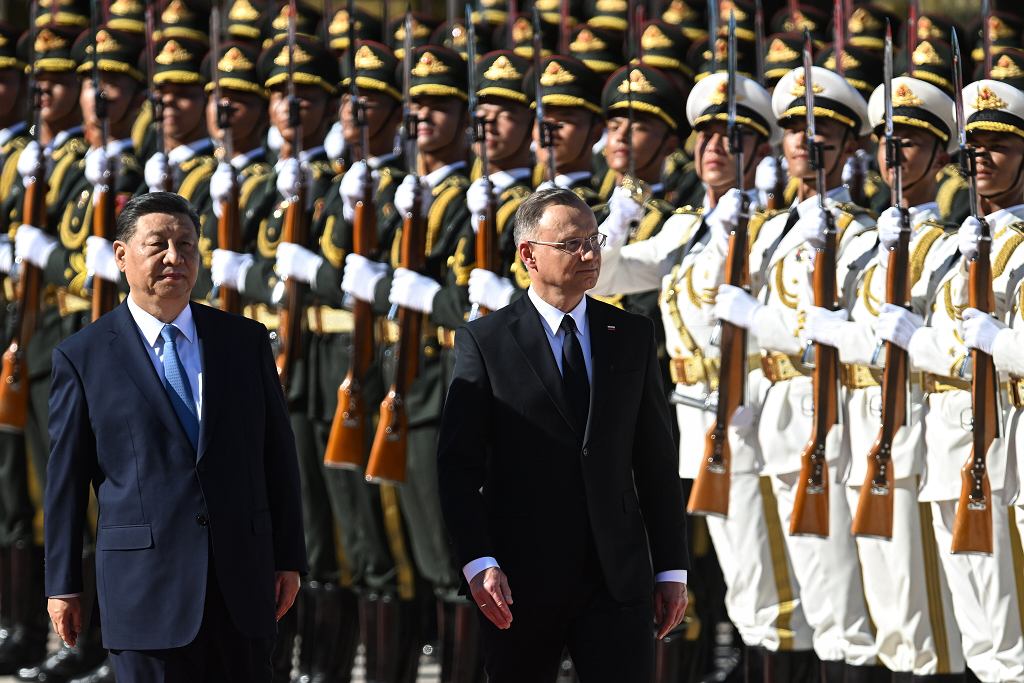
[[162, 507]]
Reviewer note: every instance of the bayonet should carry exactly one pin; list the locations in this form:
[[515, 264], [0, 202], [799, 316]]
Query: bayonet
[[839, 35], [986, 37], [410, 120], [713, 17], [545, 129], [759, 41]]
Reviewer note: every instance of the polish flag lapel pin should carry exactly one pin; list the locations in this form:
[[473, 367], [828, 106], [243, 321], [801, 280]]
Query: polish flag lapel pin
[[611, 328]]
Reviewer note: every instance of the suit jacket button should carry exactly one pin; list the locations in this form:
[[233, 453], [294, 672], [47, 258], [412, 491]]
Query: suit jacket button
[[586, 451], [201, 519]]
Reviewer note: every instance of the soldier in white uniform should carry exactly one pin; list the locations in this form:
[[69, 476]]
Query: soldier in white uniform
[[782, 257], [984, 588], [762, 598], [904, 586]]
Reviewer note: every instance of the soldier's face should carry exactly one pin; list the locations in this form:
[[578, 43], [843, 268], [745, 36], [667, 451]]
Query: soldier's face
[[184, 109], [11, 93], [439, 121], [161, 260], [575, 132], [312, 110], [247, 111], [999, 160], [58, 95], [924, 155], [837, 141], [553, 267], [121, 93], [714, 163], [651, 138], [508, 128], [382, 114]]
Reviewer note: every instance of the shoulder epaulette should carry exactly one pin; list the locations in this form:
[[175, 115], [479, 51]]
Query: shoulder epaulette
[[516, 191], [854, 210], [758, 219], [256, 169], [693, 210], [321, 168], [944, 226], [1017, 227], [129, 162], [660, 205]]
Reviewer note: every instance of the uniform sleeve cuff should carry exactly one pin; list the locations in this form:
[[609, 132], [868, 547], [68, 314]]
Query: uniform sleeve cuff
[[674, 575], [478, 565]]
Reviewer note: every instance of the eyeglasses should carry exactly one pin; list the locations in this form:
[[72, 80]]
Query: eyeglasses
[[574, 245]]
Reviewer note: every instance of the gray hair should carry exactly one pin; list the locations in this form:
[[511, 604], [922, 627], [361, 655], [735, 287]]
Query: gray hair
[[152, 202], [531, 211]]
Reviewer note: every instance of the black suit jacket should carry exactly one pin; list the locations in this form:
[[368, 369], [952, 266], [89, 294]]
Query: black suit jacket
[[162, 507], [520, 484]]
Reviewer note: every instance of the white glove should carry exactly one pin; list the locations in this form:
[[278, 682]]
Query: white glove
[[99, 258], [96, 159], [157, 172], [889, 227], [736, 306], [858, 163], [897, 325], [980, 330], [824, 326], [289, 175], [33, 245], [334, 143], [967, 237], [361, 276], [274, 139], [406, 192], [351, 188], [222, 182], [623, 214], [724, 219], [230, 268], [478, 195], [409, 289], [768, 175], [812, 227], [489, 290], [6, 255], [296, 262], [29, 160]]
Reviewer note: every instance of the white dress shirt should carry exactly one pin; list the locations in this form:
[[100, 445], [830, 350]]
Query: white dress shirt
[[551, 319], [188, 345]]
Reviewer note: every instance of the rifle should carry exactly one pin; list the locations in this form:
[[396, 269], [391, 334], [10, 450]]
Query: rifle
[[637, 189], [912, 14], [388, 456], [154, 95], [545, 128], [13, 374], [875, 503], [487, 254], [295, 228], [986, 37], [104, 293], [228, 230], [713, 17], [972, 525], [810, 507], [774, 198], [346, 445], [710, 493]]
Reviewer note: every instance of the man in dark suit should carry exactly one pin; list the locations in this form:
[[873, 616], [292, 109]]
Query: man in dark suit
[[558, 470], [174, 414]]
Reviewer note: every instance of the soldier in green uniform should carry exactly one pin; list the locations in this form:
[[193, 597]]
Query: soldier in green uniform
[[68, 263], [243, 93], [22, 634], [302, 161]]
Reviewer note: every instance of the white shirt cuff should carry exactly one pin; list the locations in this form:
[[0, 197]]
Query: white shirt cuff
[[477, 566], [69, 595], [674, 575]]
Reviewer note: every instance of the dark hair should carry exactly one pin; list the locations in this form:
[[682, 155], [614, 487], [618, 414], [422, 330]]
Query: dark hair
[[530, 212], [152, 202]]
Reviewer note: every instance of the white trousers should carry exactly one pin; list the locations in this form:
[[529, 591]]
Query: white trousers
[[984, 591], [762, 596], [906, 590], [828, 573]]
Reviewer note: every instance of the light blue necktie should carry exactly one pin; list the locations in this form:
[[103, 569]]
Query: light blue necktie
[[177, 386]]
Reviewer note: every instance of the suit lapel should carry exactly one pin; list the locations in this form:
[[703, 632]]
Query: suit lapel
[[126, 343], [528, 333], [214, 355], [601, 353]]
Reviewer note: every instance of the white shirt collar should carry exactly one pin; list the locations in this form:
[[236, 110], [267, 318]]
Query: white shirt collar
[[377, 162], [569, 179], [182, 153], [62, 137], [1011, 214], [7, 133], [307, 154], [552, 317], [927, 207], [836, 194], [151, 326], [115, 147], [243, 159], [501, 180], [435, 177]]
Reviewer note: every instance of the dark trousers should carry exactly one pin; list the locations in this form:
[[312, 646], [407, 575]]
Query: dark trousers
[[220, 653], [609, 641]]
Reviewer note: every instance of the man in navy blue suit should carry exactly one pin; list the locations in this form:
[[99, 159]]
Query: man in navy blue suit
[[173, 413]]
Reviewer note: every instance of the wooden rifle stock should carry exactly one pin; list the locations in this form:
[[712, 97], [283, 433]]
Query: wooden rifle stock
[[104, 292], [14, 373], [972, 526], [875, 504], [346, 445], [710, 493], [228, 237], [290, 320], [388, 456], [810, 507]]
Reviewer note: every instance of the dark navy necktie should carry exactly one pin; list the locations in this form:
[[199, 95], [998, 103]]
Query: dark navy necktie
[[574, 374], [177, 385]]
